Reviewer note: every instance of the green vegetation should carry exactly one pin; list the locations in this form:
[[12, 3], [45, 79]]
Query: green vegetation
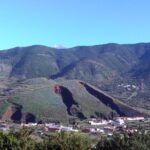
[[41, 101], [114, 68], [3, 107], [86, 63], [73, 141], [85, 99], [136, 141], [38, 97]]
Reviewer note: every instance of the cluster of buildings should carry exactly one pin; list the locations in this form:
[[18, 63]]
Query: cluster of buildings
[[129, 87], [52, 127], [109, 127], [92, 126], [116, 121]]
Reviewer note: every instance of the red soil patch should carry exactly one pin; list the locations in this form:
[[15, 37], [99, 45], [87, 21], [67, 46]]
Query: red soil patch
[[7, 115], [57, 89]]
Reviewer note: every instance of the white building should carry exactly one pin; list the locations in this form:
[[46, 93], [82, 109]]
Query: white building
[[94, 122], [29, 124], [68, 129], [59, 128], [135, 118], [4, 127], [118, 122]]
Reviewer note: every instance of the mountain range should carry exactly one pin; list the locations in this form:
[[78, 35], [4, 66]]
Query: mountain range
[[39, 82]]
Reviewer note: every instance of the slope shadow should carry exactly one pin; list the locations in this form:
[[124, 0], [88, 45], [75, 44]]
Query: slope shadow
[[17, 115], [104, 99], [66, 69], [30, 118], [63, 71], [121, 109], [69, 102]]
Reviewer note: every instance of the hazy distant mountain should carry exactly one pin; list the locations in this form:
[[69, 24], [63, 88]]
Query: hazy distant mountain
[[123, 71], [100, 62]]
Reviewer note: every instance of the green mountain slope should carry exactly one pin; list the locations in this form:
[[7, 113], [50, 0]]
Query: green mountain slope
[[122, 71], [42, 99], [102, 61]]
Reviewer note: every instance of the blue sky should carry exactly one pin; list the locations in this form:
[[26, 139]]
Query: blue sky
[[73, 22]]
